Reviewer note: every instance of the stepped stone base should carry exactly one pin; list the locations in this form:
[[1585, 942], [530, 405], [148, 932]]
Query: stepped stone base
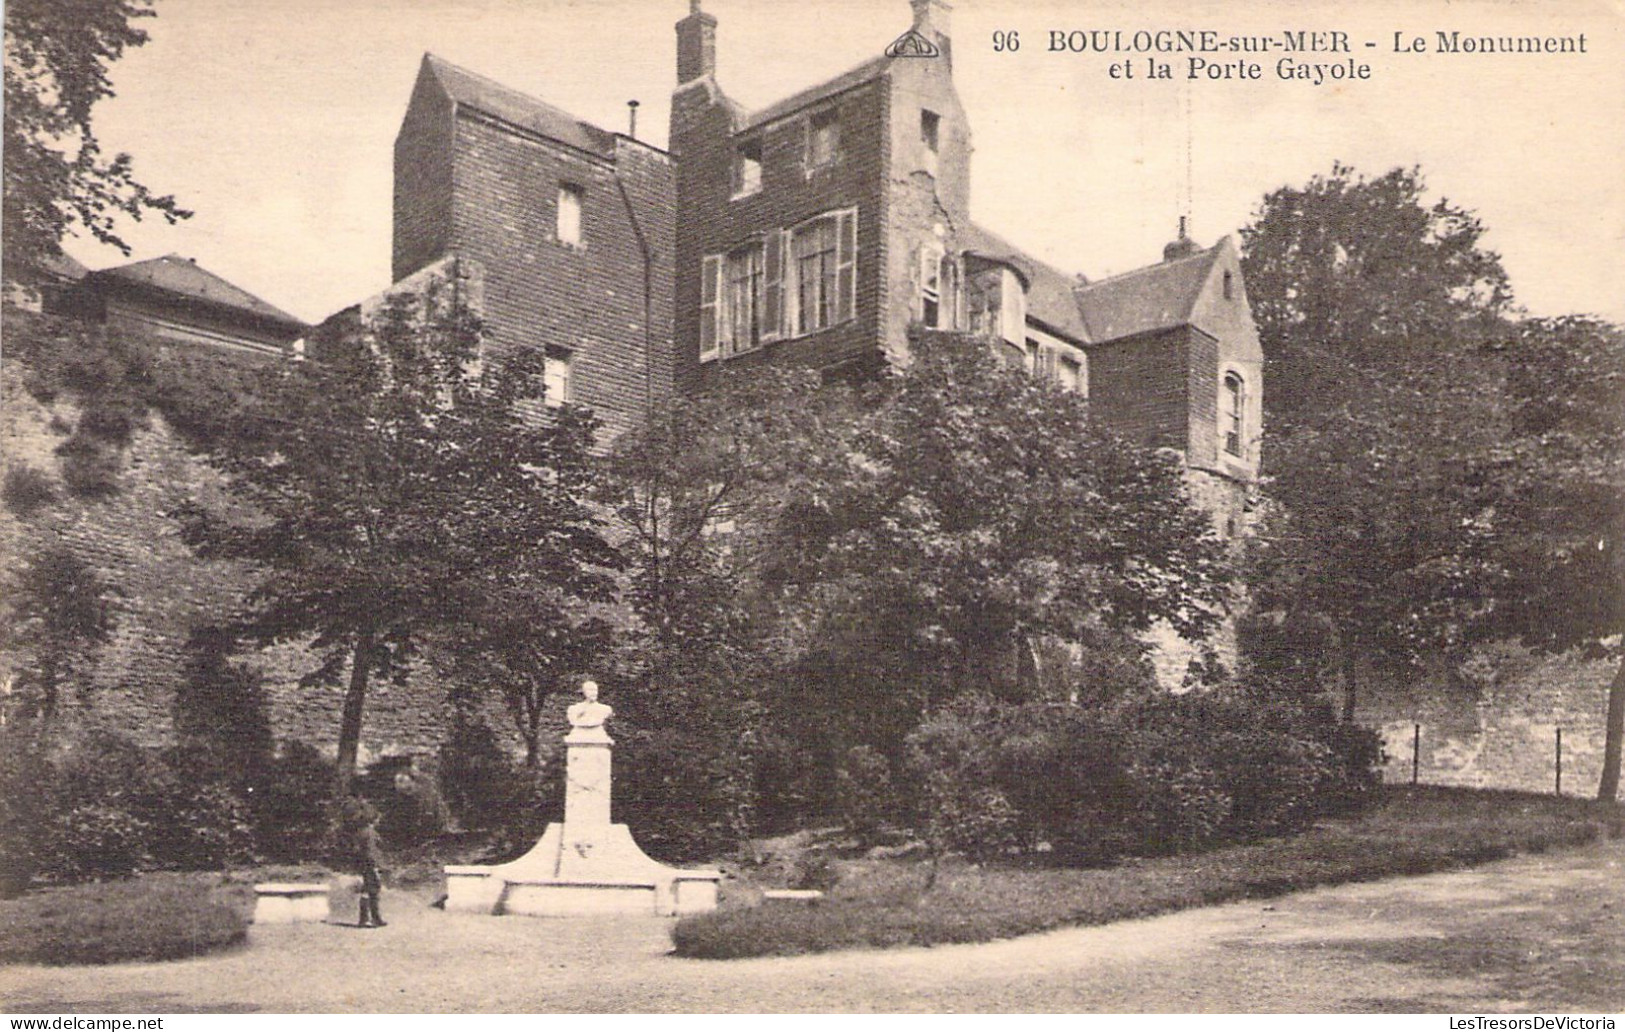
[[574, 872]]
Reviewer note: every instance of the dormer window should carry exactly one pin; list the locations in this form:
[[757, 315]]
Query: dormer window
[[939, 288], [930, 129], [823, 139], [1233, 401], [748, 168], [996, 304], [930, 286]]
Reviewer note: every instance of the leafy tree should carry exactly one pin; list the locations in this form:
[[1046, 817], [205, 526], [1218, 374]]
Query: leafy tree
[[399, 487], [533, 634], [1371, 304], [1552, 496], [696, 493], [56, 176], [980, 511], [1352, 271]]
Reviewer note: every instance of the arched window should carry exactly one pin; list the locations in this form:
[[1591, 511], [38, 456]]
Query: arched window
[[1234, 409]]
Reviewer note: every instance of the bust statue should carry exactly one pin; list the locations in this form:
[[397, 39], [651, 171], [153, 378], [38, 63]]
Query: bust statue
[[589, 712]]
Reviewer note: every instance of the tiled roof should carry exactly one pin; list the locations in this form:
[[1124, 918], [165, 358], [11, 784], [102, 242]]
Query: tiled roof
[[521, 109], [865, 72], [184, 278], [64, 267], [1153, 298], [1049, 290]]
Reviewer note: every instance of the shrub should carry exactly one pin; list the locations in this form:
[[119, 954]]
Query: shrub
[[686, 798], [1156, 774], [1179, 806], [103, 791], [864, 798], [25, 806], [291, 809], [202, 826], [409, 800], [482, 786], [98, 840], [144, 919], [954, 758], [1065, 774]]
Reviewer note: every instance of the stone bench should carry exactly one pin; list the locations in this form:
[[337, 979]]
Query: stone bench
[[803, 896], [290, 902]]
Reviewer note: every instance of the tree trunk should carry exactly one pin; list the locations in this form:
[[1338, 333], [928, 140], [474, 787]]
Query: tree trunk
[[1608, 788], [1351, 683], [355, 700], [533, 739]]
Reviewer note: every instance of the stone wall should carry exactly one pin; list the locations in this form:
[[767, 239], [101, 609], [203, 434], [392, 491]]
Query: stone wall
[[1498, 727], [134, 544], [582, 301], [1139, 387]]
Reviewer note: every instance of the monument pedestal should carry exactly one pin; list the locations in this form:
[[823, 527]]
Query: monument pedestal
[[585, 865]]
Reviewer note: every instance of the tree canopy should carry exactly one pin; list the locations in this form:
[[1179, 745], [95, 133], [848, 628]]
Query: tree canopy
[[56, 176], [1442, 470], [863, 555], [1347, 270], [395, 486]]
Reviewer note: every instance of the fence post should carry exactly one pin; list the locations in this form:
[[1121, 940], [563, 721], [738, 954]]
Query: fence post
[[1559, 761], [1416, 755]]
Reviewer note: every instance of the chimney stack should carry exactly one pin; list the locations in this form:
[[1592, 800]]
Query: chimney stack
[[933, 19], [632, 119], [696, 45]]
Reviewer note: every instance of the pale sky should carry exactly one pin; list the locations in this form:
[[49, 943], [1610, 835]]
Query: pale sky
[[275, 119]]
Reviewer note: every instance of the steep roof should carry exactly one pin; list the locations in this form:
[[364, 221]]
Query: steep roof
[[868, 71], [1049, 290], [1153, 298], [492, 98], [64, 266], [184, 278]]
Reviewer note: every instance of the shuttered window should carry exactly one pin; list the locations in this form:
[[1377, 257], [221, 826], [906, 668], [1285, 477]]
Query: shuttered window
[[822, 269]]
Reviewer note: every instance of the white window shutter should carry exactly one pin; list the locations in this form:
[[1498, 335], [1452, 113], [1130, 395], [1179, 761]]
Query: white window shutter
[[773, 251], [710, 307], [792, 285], [846, 256]]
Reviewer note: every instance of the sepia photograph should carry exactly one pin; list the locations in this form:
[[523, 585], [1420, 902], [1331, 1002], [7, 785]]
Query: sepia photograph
[[923, 507]]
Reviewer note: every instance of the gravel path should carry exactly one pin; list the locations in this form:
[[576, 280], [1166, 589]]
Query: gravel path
[[1542, 933]]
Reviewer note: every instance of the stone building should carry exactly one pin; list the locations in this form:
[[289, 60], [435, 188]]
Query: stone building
[[816, 231], [178, 303], [567, 228]]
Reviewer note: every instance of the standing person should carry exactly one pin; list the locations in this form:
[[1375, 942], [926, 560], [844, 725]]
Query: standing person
[[364, 846]]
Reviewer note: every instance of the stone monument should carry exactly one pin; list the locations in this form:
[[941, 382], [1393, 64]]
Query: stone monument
[[585, 865]]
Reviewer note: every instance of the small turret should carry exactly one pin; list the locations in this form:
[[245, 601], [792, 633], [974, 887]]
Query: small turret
[[1183, 247]]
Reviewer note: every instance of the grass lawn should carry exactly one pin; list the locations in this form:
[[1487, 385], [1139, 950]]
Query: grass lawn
[[154, 917], [882, 902]]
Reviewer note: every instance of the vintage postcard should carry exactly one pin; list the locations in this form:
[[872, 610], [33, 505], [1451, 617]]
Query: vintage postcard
[[1188, 670]]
